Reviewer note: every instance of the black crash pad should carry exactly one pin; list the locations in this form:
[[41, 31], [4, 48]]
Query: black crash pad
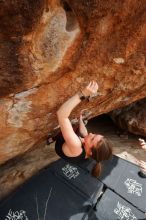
[[113, 207], [79, 179], [122, 177], [49, 196]]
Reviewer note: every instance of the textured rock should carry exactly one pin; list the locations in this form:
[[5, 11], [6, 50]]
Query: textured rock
[[16, 171], [50, 49], [132, 118]]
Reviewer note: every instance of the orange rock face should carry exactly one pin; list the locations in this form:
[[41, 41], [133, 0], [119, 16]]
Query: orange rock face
[[50, 49]]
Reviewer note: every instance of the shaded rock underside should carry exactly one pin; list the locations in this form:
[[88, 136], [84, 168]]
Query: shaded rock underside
[[132, 117]]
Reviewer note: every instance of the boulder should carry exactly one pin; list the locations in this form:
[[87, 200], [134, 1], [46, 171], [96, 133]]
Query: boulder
[[51, 48], [131, 118]]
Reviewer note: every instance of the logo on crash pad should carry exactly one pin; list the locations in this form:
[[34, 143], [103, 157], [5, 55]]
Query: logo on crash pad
[[133, 187], [124, 212], [70, 171], [17, 215]]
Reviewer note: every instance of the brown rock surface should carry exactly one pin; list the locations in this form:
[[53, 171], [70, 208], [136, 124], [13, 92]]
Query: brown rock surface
[[131, 118], [16, 171], [49, 49]]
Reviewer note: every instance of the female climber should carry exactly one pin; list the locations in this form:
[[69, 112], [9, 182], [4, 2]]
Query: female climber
[[76, 148]]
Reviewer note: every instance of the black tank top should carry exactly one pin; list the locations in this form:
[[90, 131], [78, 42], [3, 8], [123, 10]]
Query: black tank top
[[76, 160]]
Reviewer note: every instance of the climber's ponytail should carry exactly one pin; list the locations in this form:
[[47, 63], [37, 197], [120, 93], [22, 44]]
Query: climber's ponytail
[[96, 171], [102, 151]]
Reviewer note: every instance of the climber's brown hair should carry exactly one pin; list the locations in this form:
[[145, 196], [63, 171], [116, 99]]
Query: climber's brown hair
[[102, 151]]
